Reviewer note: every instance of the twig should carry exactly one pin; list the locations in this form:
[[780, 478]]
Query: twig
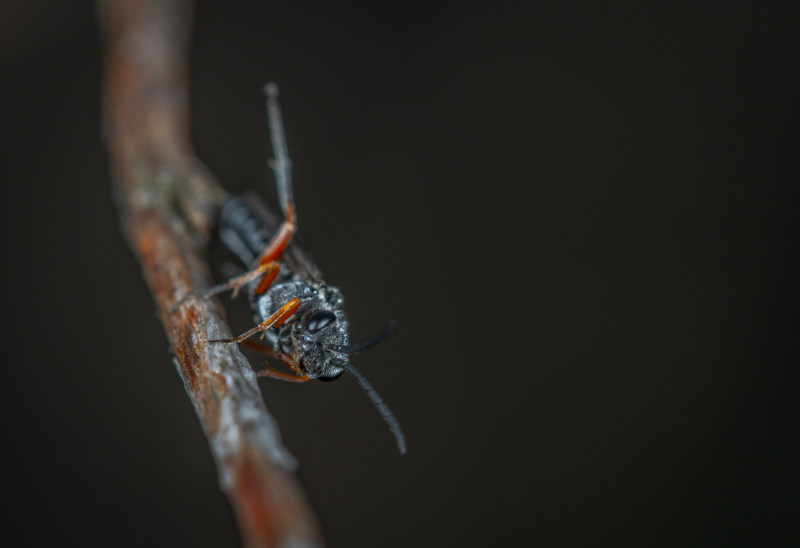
[[168, 202]]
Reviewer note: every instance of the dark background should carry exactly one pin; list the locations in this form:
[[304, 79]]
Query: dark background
[[580, 217]]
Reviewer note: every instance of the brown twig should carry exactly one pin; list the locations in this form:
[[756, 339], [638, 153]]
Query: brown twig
[[168, 202]]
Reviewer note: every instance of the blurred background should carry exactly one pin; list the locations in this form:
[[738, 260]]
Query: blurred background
[[579, 215]]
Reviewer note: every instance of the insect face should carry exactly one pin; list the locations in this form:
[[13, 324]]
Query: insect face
[[311, 340]]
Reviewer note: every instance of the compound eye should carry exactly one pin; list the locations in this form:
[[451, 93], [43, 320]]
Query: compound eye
[[332, 377], [319, 320]]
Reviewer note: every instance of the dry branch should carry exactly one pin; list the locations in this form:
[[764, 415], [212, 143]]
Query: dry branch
[[168, 202]]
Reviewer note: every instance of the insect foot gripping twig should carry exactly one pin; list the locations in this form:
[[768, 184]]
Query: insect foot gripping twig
[[169, 203]]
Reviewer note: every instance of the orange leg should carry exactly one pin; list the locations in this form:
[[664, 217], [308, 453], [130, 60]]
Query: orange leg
[[264, 271], [268, 266], [275, 374], [284, 313], [267, 272], [267, 278], [282, 237], [263, 349], [271, 372]]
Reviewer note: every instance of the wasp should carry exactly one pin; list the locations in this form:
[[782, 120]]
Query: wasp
[[300, 317]]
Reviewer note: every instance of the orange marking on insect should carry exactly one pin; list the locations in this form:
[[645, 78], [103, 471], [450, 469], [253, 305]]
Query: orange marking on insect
[[284, 313], [267, 279], [279, 244], [282, 238], [287, 311]]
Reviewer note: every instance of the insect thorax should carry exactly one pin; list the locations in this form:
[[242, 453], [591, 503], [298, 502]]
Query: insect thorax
[[293, 337]]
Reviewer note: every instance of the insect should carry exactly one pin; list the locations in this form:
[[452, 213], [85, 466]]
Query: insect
[[301, 318]]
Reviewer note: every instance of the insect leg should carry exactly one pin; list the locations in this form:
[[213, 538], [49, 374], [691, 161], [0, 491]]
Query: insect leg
[[262, 349], [282, 166], [267, 272], [284, 313], [273, 373], [267, 268]]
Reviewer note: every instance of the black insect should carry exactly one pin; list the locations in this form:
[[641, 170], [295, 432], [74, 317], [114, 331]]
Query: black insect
[[301, 317]]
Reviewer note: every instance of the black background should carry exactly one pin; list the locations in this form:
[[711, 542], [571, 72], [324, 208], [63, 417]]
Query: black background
[[579, 216]]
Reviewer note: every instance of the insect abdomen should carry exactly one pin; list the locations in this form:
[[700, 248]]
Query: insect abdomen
[[246, 226], [242, 230]]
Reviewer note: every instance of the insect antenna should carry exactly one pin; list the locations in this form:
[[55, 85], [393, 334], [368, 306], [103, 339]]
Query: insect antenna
[[383, 409], [363, 345]]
